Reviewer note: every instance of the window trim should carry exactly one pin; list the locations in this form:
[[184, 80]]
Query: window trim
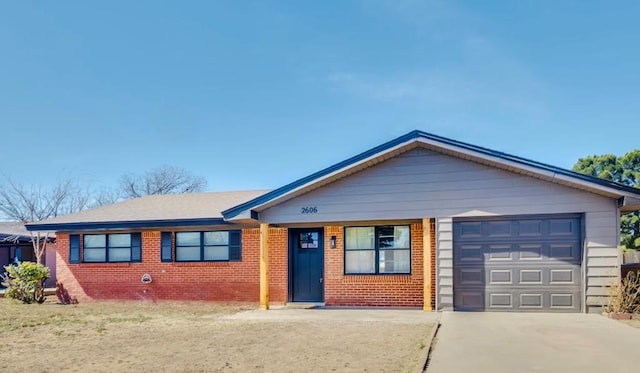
[[229, 246], [74, 248], [132, 245], [164, 236], [376, 249]]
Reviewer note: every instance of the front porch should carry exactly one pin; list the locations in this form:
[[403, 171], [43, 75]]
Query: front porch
[[339, 282]]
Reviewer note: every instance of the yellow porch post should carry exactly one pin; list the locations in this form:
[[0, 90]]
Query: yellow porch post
[[264, 266], [426, 254]]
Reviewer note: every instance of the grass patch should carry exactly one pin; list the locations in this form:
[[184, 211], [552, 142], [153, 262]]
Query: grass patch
[[195, 337], [15, 315]]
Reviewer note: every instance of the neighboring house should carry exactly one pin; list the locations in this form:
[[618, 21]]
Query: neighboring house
[[420, 221], [16, 245]]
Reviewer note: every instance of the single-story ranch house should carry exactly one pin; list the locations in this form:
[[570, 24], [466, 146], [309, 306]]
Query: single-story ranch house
[[420, 221]]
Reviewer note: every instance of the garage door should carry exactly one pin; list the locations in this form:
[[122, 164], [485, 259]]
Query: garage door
[[529, 263]]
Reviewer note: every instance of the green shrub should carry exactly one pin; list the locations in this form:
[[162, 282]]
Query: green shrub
[[25, 282]]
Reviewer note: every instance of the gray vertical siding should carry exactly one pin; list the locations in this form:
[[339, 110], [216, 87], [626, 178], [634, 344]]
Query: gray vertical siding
[[444, 278], [602, 255], [422, 183]]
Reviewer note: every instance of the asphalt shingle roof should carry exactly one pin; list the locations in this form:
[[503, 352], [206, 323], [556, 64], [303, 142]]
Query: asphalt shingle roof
[[14, 228], [161, 207]]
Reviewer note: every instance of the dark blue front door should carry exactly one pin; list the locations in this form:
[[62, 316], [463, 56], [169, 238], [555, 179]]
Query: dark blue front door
[[307, 265]]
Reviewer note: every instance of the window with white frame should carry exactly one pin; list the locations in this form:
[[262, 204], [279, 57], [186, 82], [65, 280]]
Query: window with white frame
[[377, 250]]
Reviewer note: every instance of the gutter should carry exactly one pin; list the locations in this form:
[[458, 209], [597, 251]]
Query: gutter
[[160, 223]]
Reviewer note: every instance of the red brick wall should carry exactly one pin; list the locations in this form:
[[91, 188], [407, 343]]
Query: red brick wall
[[278, 265], [374, 290], [239, 281], [209, 281]]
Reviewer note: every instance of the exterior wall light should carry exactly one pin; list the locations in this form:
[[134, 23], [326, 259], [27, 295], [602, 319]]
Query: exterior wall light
[[332, 242]]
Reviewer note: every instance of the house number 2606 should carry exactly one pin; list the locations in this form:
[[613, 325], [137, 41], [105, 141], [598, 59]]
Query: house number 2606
[[309, 210]]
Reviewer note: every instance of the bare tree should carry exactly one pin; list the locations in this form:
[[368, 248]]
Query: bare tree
[[163, 180], [28, 204], [105, 196]]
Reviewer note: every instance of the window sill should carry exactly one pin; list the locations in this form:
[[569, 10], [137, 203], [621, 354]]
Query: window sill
[[105, 264], [218, 263]]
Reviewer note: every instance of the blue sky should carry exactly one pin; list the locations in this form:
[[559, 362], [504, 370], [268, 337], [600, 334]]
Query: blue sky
[[255, 94]]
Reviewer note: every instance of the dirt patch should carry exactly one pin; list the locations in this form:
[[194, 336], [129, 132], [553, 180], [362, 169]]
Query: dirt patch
[[195, 337]]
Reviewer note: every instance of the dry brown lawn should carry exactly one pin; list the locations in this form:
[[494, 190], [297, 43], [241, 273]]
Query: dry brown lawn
[[196, 337]]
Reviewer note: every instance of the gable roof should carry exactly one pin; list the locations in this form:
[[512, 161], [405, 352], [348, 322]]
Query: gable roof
[[152, 211], [221, 208], [629, 197]]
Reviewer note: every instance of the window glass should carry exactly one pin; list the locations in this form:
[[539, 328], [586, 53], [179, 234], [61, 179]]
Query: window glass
[[95, 255], [120, 255], [216, 253], [109, 248], [308, 240], [402, 237], [359, 238], [216, 238], [187, 238], [204, 246], [384, 249], [188, 253], [394, 261], [95, 240], [360, 261], [119, 240], [394, 237]]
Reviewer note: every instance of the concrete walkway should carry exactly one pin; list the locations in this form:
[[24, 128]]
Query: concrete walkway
[[339, 314], [521, 342]]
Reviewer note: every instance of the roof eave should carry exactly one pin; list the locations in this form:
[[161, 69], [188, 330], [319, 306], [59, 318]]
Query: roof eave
[[161, 223], [630, 204]]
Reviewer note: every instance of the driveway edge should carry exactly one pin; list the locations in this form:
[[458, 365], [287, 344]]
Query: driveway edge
[[429, 341]]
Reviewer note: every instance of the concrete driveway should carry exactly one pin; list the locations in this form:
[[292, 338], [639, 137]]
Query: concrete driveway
[[521, 342]]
